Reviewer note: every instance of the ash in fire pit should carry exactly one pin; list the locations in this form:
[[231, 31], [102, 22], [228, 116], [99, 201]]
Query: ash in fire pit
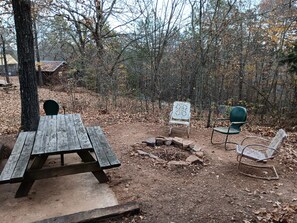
[[170, 153]]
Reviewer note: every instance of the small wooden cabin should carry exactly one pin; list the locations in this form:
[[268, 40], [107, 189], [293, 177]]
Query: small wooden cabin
[[50, 69], [12, 65]]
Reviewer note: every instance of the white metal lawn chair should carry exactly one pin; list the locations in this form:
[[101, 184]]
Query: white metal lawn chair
[[180, 115], [260, 153]]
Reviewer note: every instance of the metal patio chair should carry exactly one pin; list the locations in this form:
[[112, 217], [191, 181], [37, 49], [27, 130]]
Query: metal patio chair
[[259, 153], [180, 115], [237, 118]]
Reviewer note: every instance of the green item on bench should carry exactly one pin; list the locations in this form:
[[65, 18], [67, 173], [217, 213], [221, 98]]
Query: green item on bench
[[51, 107]]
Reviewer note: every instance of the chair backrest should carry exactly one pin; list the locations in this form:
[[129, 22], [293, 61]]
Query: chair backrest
[[276, 142], [224, 110], [238, 114], [181, 110], [51, 107]]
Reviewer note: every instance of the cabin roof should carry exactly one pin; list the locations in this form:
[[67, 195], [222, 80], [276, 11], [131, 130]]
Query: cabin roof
[[9, 58], [49, 66]]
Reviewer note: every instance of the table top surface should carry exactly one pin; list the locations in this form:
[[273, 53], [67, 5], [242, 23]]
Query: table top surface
[[60, 134]]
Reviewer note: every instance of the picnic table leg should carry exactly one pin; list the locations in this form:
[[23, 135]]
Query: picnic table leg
[[87, 157], [27, 183]]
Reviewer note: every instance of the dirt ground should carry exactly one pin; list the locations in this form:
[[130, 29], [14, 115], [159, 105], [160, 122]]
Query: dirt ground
[[214, 192]]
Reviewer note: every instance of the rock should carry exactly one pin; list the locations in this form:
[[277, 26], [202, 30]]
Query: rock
[[191, 146], [168, 141], [140, 152], [178, 163], [138, 145], [192, 159], [187, 143], [160, 140], [200, 154], [178, 142], [196, 148], [150, 142]]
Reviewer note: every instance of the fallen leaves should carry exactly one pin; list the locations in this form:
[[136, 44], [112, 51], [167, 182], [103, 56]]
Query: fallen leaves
[[96, 109], [281, 213]]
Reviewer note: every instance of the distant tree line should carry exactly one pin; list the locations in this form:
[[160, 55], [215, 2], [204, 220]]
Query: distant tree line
[[206, 52]]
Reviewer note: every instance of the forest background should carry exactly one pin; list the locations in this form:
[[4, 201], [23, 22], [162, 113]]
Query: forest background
[[208, 52]]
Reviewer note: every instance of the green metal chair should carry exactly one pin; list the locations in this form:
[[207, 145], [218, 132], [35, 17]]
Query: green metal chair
[[237, 118]]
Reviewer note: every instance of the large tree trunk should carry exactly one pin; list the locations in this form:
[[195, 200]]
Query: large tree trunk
[[27, 74]]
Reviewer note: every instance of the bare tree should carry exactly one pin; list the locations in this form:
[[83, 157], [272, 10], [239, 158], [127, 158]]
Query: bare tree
[[4, 58], [27, 73], [160, 23]]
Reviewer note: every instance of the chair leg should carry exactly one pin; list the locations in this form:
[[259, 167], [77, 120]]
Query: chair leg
[[188, 131], [170, 130], [212, 137], [241, 164], [226, 140], [218, 143]]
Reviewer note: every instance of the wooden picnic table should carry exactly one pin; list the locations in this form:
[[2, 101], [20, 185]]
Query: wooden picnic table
[[58, 134]]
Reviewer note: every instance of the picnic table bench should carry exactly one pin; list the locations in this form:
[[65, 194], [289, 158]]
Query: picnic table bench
[[58, 134], [18, 160]]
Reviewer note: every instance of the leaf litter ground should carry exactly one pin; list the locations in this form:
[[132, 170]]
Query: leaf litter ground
[[215, 192]]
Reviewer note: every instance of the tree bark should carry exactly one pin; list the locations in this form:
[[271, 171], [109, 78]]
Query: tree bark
[[39, 74], [5, 59], [27, 74], [241, 65]]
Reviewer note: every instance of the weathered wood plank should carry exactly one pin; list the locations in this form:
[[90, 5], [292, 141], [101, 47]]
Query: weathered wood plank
[[24, 158], [9, 168], [13, 158], [18, 146], [62, 141], [81, 132], [51, 141], [87, 157], [46, 133], [100, 154], [106, 147], [26, 184], [96, 214], [39, 141], [73, 143], [50, 172]]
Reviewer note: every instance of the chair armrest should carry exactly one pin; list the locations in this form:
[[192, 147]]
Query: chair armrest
[[253, 137], [236, 123], [264, 147], [219, 120]]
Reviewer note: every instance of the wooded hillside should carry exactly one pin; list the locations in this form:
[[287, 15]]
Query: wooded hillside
[[207, 52]]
